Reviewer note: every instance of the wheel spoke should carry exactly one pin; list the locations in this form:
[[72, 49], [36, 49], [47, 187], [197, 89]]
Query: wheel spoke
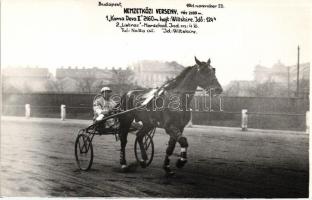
[[82, 145], [145, 140], [84, 152], [85, 144], [145, 144], [80, 149], [148, 145]]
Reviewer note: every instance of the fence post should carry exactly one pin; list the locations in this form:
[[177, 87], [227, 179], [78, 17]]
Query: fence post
[[210, 99], [244, 120], [307, 122], [27, 110], [63, 112], [190, 123], [220, 102]]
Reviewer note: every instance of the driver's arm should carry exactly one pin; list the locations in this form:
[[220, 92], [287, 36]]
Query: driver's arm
[[97, 107], [105, 111]]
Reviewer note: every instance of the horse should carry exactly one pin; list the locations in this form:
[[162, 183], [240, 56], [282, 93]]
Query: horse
[[173, 115]]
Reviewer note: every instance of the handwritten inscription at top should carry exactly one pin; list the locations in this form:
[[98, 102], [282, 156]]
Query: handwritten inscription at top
[[150, 11], [165, 20]]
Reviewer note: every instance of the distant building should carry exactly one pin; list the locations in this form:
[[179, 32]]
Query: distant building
[[86, 80], [26, 72], [151, 74], [304, 72], [84, 73], [261, 73], [68, 84], [279, 73], [285, 76], [26, 79], [240, 88]]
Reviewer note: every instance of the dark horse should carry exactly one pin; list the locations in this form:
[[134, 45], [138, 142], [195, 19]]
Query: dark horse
[[173, 114]]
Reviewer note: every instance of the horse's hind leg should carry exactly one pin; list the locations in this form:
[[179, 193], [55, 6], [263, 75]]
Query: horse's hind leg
[[140, 134], [169, 151]]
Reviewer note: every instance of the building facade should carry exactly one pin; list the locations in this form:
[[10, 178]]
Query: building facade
[[285, 77], [280, 73], [26, 79], [84, 73], [151, 74], [144, 74]]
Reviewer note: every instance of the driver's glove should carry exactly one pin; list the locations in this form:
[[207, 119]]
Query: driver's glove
[[100, 117]]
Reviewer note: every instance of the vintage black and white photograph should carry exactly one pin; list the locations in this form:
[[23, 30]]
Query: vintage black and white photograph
[[155, 99]]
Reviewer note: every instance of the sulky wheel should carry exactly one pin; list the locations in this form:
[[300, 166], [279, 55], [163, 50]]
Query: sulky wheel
[[148, 146], [83, 151]]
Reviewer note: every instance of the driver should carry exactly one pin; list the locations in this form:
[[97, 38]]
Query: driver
[[103, 105]]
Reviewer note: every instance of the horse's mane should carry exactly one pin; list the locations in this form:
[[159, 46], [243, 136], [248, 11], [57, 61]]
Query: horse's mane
[[173, 83]]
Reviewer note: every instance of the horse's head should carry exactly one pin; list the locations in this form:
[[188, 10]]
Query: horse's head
[[206, 77]]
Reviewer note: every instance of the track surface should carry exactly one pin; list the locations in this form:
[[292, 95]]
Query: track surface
[[37, 159]]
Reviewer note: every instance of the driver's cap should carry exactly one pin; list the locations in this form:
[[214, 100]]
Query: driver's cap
[[105, 89]]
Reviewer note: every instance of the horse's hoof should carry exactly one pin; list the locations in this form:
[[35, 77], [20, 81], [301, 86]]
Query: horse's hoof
[[180, 163], [124, 168], [168, 170], [169, 174], [143, 163]]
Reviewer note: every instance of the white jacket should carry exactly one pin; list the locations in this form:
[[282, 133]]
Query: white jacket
[[102, 106]]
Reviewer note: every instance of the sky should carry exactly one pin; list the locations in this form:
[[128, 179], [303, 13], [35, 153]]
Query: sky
[[55, 33]]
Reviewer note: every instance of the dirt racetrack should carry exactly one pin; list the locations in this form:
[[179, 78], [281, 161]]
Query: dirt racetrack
[[37, 159]]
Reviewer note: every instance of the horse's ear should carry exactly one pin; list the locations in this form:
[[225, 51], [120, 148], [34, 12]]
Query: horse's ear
[[208, 62], [197, 61]]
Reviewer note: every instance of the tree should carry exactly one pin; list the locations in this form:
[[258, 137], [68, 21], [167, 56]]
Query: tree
[[122, 77], [269, 88], [85, 84], [123, 80]]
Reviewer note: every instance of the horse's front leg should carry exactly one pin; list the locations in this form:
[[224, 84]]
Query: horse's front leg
[[176, 135], [123, 144], [169, 151], [183, 155]]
